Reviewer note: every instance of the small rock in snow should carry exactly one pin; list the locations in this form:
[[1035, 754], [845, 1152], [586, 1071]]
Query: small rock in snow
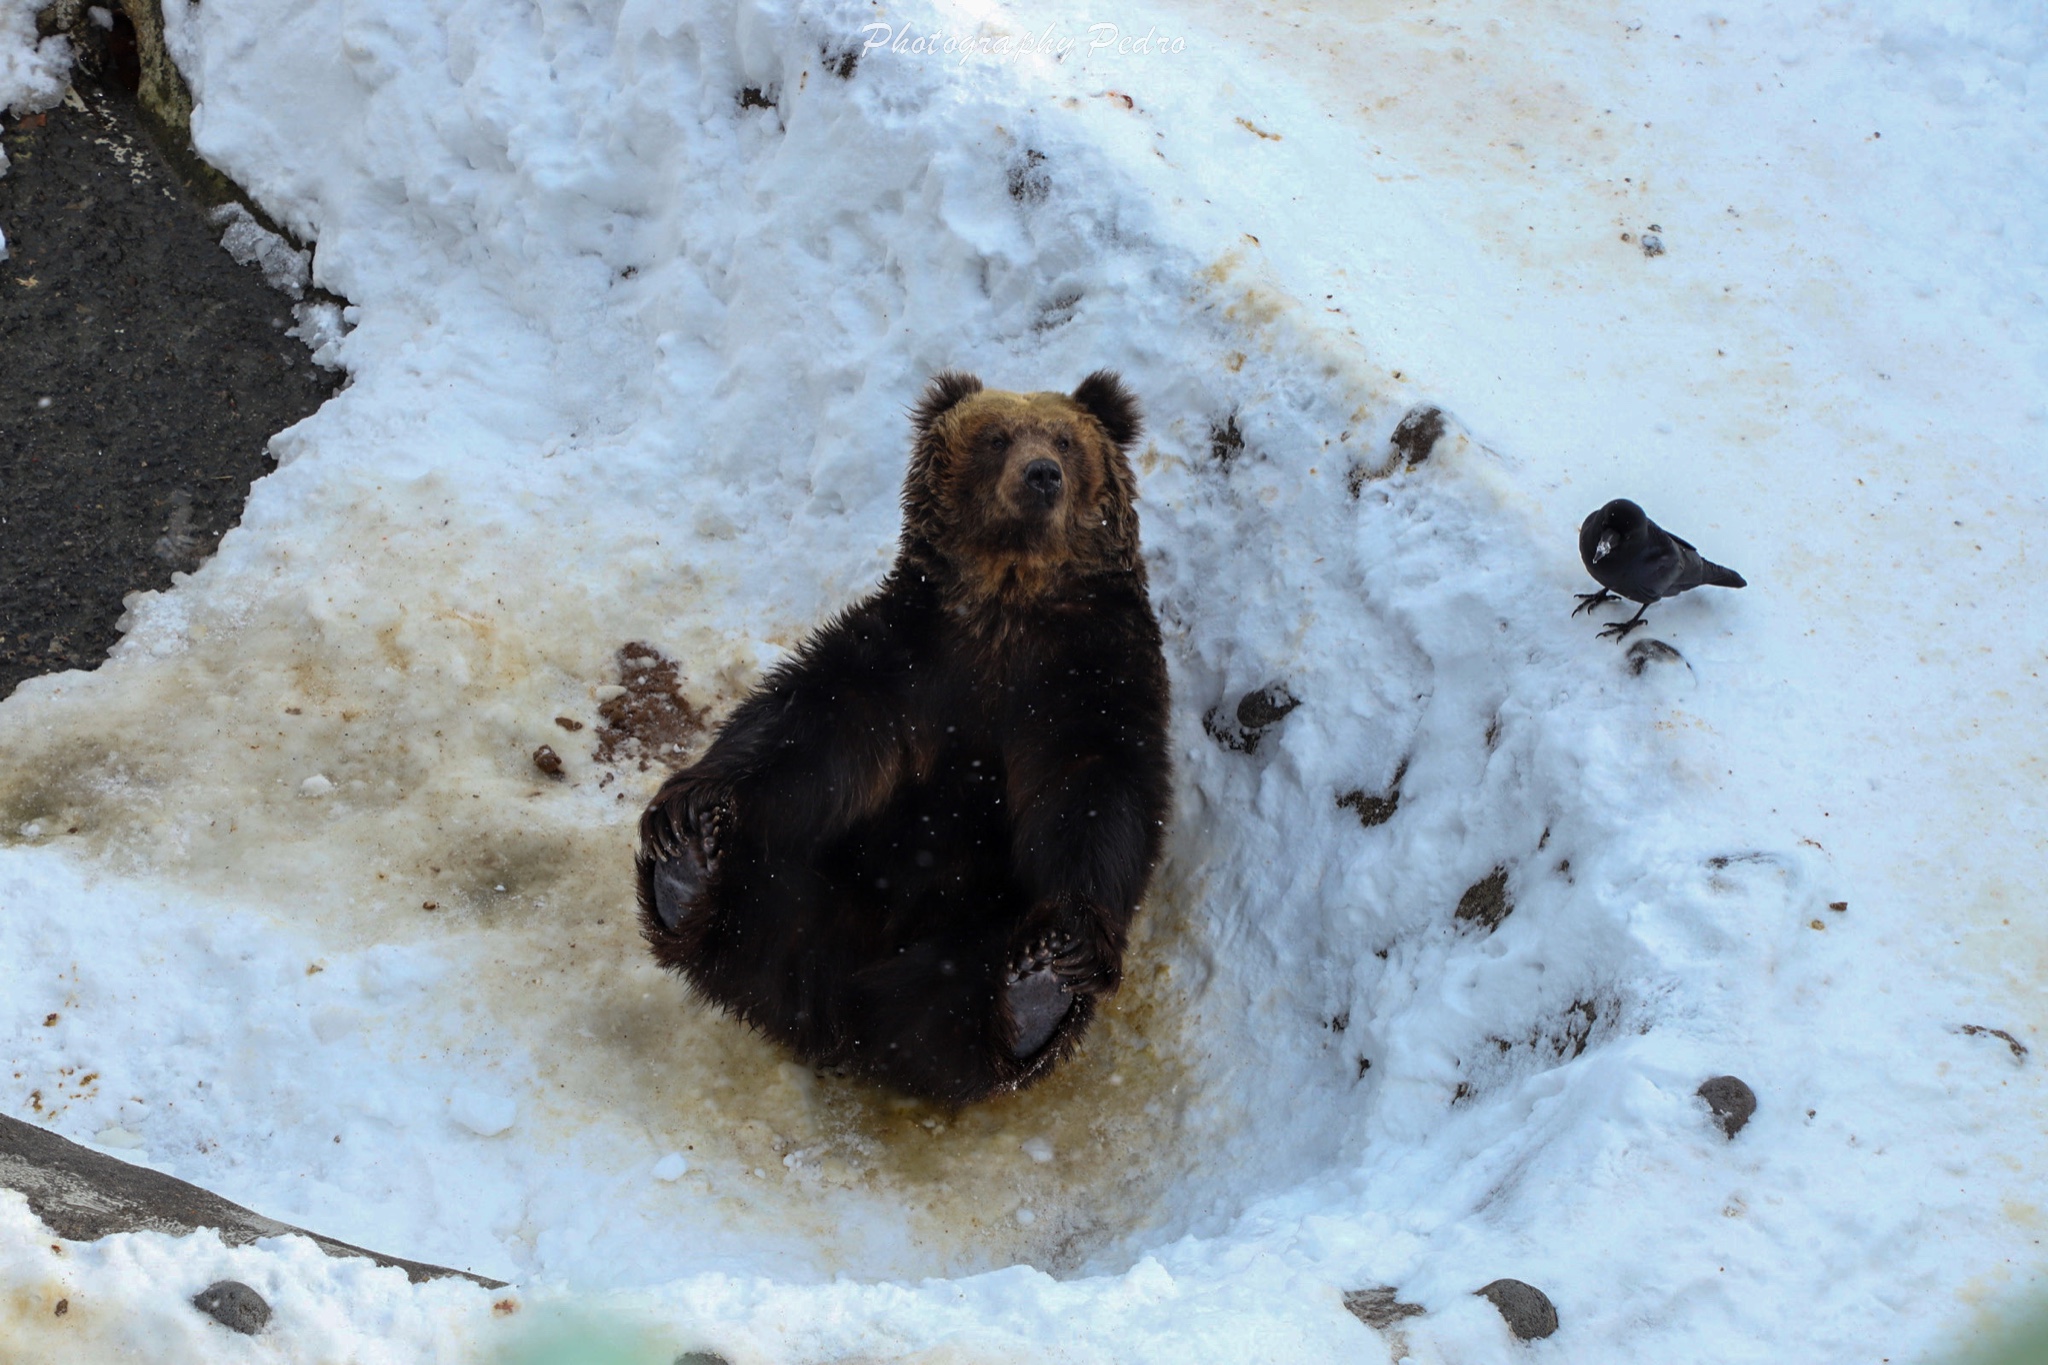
[[1256, 712], [699, 1358], [1038, 1149], [1653, 245], [316, 786], [1732, 1101], [674, 1166], [2019, 1049], [548, 761], [484, 1115], [1416, 435], [233, 1305], [1267, 706], [1643, 653], [1226, 442], [1381, 1307], [1527, 1309], [1376, 810], [1486, 901]]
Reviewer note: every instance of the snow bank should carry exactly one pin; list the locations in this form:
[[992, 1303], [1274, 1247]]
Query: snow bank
[[33, 71], [638, 296]]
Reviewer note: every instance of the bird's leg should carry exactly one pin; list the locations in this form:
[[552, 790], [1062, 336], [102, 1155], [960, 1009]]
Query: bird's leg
[[1616, 630], [1590, 600]]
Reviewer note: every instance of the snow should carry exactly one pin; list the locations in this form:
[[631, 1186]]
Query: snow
[[33, 71], [629, 361], [250, 243]]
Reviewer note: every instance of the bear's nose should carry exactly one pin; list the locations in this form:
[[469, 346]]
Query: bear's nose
[[1043, 478]]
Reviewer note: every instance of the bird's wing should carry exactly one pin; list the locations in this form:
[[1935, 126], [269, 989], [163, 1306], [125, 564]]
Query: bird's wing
[[1659, 554], [1686, 543], [1663, 568]]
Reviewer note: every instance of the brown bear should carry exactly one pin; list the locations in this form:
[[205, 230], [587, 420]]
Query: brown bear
[[914, 851]]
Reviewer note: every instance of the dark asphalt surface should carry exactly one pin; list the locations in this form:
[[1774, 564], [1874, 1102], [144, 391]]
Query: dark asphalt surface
[[141, 373]]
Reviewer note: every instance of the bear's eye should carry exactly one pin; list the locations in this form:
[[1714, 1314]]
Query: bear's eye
[[998, 441], [1062, 444]]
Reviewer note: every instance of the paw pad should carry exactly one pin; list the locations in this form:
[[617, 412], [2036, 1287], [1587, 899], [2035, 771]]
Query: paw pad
[[1037, 1001]]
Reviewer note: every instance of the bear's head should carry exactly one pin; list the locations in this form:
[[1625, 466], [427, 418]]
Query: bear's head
[[1014, 492]]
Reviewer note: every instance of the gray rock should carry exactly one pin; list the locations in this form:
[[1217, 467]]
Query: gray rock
[[233, 1305], [1731, 1100], [1526, 1309], [700, 1358], [84, 1195]]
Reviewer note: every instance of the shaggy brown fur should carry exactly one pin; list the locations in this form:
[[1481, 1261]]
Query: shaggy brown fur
[[915, 850]]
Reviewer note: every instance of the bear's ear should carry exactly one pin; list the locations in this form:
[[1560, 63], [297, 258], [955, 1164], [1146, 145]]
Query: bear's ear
[[942, 395], [1110, 403]]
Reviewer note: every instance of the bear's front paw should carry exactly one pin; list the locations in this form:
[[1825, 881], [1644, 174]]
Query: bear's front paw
[[683, 837]]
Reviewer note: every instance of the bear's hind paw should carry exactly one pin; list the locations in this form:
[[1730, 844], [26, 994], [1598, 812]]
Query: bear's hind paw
[[1035, 997], [1036, 1001], [1042, 954]]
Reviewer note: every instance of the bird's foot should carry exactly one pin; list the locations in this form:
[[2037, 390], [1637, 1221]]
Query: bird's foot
[[1617, 630], [1590, 600]]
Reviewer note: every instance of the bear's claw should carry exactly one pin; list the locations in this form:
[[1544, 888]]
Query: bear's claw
[[1042, 953], [1073, 948], [683, 837]]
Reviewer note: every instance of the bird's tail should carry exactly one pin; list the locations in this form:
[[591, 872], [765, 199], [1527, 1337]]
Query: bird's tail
[[1718, 576]]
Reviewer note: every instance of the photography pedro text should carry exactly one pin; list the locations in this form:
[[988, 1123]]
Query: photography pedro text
[[1099, 38]]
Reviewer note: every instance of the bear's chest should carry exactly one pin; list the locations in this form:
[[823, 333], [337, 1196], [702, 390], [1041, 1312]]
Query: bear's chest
[[938, 850]]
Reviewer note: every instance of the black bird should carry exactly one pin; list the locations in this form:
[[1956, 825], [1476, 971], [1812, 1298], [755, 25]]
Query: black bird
[[1630, 555]]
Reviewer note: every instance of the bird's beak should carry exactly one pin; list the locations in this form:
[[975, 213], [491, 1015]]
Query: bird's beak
[[1604, 548]]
